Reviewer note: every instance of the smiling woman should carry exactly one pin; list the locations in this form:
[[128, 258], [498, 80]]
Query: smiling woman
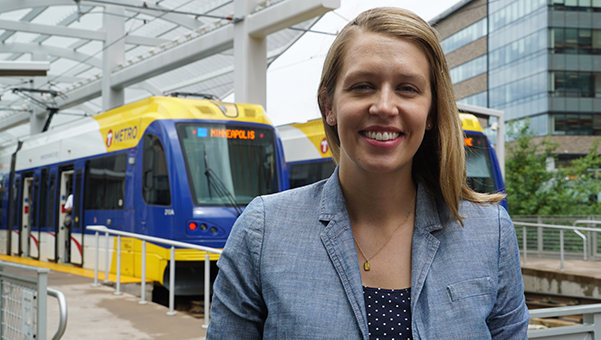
[[394, 244]]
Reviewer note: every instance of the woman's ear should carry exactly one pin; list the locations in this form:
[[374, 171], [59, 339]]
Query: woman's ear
[[429, 125], [327, 104]]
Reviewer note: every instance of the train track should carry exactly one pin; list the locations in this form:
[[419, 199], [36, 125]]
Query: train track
[[537, 301]]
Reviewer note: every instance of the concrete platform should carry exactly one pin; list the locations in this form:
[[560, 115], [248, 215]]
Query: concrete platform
[[578, 279], [96, 313]]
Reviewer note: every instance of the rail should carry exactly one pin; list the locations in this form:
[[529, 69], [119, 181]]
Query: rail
[[144, 238], [23, 303], [590, 328], [561, 228], [62, 308]]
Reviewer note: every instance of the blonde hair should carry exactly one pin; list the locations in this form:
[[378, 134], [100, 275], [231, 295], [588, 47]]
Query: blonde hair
[[440, 160]]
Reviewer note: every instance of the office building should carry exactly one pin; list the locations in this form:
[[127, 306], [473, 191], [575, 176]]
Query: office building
[[536, 59]]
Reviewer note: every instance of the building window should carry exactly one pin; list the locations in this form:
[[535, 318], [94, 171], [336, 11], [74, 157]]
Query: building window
[[575, 41], [575, 84], [514, 11], [469, 69], [576, 5], [478, 99], [105, 182], [518, 49], [467, 35], [583, 124]]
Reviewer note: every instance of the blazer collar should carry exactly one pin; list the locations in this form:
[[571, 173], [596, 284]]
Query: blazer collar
[[337, 237], [431, 213]]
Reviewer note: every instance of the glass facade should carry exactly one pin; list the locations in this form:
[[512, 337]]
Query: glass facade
[[575, 84], [518, 62], [576, 5], [469, 69], [542, 63], [467, 35], [478, 99], [575, 40], [576, 124]]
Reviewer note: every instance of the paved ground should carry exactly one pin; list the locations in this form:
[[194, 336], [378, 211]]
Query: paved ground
[[95, 313]]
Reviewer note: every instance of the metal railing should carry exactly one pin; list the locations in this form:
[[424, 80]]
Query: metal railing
[[144, 238], [590, 328], [561, 228], [23, 303]]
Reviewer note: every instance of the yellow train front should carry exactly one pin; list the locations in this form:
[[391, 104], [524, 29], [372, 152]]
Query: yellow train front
[[173, 168]]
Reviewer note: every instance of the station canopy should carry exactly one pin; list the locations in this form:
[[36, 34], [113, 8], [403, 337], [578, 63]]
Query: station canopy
[[69, 38]]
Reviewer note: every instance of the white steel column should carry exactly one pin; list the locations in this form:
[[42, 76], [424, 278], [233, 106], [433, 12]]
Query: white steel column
[[113, 55], [250, 58]]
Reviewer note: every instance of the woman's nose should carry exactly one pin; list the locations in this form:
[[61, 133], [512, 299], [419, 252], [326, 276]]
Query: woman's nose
[[385, 103]]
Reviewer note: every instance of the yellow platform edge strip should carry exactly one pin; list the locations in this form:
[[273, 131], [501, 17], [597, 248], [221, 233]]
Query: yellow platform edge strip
[[69, 269]]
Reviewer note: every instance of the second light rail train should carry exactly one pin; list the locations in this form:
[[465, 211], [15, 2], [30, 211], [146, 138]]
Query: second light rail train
[[309, 159]]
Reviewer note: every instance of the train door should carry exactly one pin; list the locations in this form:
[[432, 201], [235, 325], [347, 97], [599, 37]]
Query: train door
[[26, 215], [39, 227], [77, 227], [15, 221], [35, 210], [3, 212], [65, 219], [52, 217]]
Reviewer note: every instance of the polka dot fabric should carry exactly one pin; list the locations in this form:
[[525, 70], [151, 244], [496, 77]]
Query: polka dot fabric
[[388, 313]]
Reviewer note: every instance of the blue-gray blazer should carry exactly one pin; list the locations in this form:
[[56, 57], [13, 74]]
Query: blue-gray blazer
[[289, 270]]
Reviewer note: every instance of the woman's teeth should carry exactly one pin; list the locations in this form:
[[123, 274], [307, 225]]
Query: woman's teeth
[[383, 136]]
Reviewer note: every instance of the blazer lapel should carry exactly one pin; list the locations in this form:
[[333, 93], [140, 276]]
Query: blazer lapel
[[429, 216], [337, 238]]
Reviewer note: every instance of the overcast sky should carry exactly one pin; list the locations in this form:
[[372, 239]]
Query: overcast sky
[[293, 78]]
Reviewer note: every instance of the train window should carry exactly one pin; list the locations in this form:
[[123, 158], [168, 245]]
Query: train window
[[105, 182], [155, 175], [479, 167], [228, 164], [310, 172]]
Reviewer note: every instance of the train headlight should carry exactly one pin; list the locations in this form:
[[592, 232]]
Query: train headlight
[[213, 230], [203, 227]]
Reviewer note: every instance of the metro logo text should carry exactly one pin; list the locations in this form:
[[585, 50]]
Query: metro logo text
[[120, 136]]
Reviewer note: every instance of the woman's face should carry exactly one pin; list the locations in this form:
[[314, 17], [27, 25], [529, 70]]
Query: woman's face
[[381, 103]]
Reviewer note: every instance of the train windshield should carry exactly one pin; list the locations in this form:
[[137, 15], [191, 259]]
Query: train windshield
[[228, 164], [480, 175]]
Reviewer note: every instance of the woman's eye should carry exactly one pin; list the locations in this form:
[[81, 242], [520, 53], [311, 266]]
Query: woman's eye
[[408, 89], [361, 87]]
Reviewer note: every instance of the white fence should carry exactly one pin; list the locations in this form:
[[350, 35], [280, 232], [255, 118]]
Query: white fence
[[144, 238]]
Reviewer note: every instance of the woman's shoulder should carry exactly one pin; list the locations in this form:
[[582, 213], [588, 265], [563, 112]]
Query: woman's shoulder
[[301, 198], [306, 191], [480, 210], [485, 218]]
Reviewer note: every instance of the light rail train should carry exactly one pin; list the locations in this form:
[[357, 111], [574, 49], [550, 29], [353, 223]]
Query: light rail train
[[174, 168], [309, 159]]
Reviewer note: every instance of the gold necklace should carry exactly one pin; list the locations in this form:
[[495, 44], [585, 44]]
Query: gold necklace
[[366, 264]]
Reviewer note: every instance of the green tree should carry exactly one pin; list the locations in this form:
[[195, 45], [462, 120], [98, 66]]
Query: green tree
[[585, 182], [531, 188]]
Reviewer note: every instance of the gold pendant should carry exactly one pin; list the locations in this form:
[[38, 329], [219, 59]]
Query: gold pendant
[[366, 266]]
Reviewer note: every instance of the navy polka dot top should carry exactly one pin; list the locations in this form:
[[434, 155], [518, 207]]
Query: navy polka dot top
[[388, 313]]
